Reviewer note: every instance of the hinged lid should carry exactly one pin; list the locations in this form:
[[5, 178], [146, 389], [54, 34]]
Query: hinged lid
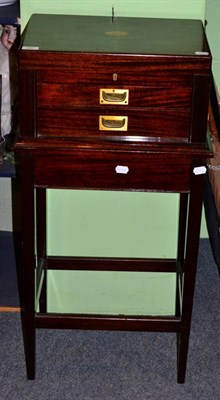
[[119, 35]]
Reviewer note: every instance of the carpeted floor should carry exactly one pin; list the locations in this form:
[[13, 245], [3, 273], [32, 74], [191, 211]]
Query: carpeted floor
[[8, 277], [87, 365]]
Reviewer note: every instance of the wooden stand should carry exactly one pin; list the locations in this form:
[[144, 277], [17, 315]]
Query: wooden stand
[[62, 146]]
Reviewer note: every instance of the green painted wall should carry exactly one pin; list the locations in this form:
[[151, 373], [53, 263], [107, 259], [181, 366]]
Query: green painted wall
[[143, 8], [212, 15], [100, 223], [113, 223]]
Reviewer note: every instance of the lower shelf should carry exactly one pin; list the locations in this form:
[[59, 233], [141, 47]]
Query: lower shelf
[[110, 292]]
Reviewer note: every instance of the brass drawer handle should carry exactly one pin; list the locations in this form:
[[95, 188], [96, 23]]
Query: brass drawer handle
[[111, 123], [113, 96]]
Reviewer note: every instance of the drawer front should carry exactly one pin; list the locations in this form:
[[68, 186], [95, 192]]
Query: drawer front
[[148, 123], [109, 170], [64, 96], [74, 102], [161, 102]]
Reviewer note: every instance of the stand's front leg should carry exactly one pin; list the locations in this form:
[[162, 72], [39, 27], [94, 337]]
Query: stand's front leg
[[28, 262], [189, 270]]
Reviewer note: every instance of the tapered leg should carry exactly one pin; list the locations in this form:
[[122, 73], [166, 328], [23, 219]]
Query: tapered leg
[[28, 262], [191, 256], [182, 351]]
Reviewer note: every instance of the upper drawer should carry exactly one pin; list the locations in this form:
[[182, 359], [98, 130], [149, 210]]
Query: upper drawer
[[64, 95]]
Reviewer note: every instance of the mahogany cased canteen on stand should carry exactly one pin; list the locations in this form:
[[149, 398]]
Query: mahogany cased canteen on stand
[[111, 104]]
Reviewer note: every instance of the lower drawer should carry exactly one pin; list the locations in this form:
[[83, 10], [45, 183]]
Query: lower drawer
[[113, 170], [164, 124]]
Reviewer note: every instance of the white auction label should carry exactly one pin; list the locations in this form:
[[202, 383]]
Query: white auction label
[[201, 53], [121, 169], [30, 47], [199, 170]]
